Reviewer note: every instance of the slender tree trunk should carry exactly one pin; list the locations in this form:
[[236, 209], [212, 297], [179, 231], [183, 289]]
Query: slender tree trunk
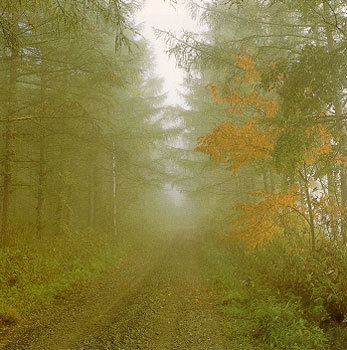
[[68, 207], [41, 162], [343, 173], [7, 182], [344, 204], [40, 188], [114, 190], [59, 214], [60, 195], [91, 198], [343, 126], [333, 221], [9, 146], [310, 210]]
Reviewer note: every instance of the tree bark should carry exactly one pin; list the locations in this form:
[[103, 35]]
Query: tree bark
[[343, 126], [114, 190], [91, 204], [310, 210], [40, 188], [41, 161], [9, 145]]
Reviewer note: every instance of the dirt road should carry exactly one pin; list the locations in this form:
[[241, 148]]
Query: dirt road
[[159, 301]]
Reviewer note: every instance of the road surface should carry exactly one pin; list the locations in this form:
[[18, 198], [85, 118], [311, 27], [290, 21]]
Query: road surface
[[159, 300]]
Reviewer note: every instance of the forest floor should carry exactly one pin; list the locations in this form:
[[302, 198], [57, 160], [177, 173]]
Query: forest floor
[[158, 299]]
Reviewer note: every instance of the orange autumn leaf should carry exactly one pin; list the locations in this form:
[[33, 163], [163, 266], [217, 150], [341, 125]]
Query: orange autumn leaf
[[253, 101], [241, 103], [237, 144], [247, 64], [323, 145], [215, 94], [258, 223], [341, 160]]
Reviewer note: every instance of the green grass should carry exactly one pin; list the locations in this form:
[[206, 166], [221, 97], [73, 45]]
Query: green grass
[[34, 273], [270, 297]]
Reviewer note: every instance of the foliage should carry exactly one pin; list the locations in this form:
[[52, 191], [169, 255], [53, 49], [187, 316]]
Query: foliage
[[75, 117], [318, 279], [239, 145], [260, 316], [258, 223], [33, 273], [264, 141]]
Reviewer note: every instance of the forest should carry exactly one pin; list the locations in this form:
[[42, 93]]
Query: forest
[[131, 222]]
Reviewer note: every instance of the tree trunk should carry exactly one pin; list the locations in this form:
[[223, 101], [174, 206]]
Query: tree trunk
[[114, 190], [310, 210], [59, 215], [343, 126], [9, 146], [344, 204], [68, 207], [91, 198], [333, 221], [41, 162], [40, 190]]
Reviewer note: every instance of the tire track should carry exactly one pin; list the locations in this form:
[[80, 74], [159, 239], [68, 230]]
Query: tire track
[[160, 302]]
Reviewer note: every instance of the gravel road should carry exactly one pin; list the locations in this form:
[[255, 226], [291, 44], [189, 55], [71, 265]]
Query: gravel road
[[158, 301]]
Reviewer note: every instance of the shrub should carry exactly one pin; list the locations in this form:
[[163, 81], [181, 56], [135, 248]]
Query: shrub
[[317, 278], [283, 295]]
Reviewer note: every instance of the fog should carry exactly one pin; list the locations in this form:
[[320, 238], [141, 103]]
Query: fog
[[173, 175]]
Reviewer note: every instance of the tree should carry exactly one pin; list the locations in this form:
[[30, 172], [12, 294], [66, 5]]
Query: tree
[[294, 79], [70, 93]]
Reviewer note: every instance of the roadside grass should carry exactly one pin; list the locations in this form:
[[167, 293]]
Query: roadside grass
[[34, 273], [281, 297]]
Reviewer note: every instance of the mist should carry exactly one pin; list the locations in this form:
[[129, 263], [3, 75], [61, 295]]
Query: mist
[[173, 175]]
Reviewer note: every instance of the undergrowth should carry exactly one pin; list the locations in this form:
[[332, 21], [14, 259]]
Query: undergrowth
[[33, 273], [282, 296]]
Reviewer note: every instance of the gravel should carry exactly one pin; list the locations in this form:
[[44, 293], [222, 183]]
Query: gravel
[[157, 300]]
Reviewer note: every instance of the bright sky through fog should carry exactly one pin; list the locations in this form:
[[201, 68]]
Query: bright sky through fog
[[160, 14]]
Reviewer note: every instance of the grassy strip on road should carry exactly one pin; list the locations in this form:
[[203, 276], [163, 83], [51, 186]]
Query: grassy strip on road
[[34, 273]]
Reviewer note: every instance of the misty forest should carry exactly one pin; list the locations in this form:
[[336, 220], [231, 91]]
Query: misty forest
[[213, 220]]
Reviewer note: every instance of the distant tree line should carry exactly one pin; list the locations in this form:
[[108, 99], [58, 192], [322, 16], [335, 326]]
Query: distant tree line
[[76, 99]]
